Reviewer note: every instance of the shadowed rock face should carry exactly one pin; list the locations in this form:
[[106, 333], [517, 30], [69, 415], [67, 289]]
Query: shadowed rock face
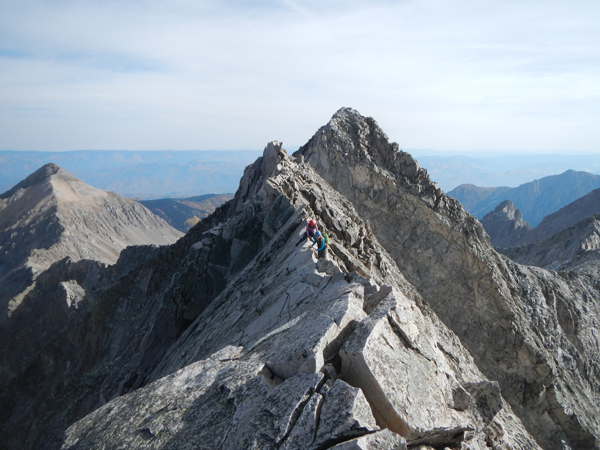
[[505, 225], [511, 318], [238, 337]]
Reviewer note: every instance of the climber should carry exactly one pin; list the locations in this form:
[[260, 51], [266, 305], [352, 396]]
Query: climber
[[321, 239], [311, 229]]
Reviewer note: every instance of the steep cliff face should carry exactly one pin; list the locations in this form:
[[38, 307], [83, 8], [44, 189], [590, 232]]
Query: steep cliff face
[[533, 331]]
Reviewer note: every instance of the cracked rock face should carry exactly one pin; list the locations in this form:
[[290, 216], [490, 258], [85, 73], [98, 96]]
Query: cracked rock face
[[238, 337]]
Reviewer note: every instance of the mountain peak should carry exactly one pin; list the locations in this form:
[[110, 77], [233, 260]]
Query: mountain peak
[[41, 175], [352, 141], [52, 214], [505, 225]]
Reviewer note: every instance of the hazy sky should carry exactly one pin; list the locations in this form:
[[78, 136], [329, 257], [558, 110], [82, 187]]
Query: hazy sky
[[194, 74]]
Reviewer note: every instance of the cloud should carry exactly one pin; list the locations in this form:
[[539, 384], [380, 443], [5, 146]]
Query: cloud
[[204, 74]]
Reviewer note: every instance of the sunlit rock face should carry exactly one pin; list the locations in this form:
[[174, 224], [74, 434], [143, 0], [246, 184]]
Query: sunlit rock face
[[239, 337]]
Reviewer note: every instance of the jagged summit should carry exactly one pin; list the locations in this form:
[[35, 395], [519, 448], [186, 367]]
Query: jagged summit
[[446, 254], [505, 225]]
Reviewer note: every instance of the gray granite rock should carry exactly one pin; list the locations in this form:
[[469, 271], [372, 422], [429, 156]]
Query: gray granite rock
[[345, 414], [380, 440]]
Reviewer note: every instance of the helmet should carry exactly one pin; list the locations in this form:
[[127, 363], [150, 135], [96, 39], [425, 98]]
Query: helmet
[[311, 223], [317, 234]]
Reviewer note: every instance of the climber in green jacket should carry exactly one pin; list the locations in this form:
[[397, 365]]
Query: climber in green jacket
[[321, 240]]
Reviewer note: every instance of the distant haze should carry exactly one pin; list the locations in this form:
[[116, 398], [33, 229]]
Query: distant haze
[[141, 175], [511, 75], [177, 174]]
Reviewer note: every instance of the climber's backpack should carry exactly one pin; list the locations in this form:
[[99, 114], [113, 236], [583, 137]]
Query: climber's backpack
[[326, 237]]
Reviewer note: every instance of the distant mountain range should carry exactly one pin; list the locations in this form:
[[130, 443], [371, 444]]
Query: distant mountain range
[[566, 240], [450, 171], [574, 248], [138, 174], [535, 200]]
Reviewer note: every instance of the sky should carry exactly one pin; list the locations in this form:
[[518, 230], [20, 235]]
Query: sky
[[463, 75]]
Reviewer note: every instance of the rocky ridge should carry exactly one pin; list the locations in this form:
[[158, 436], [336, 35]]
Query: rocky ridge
[[298, 353], [237, 337]]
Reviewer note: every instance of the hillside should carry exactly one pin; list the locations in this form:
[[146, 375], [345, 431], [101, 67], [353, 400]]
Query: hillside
[[568, 249], [413, 332], [535, 200], [183, 213]]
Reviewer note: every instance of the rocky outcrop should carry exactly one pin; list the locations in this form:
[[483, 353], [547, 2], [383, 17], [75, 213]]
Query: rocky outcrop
[[505, 225], [512, 319]]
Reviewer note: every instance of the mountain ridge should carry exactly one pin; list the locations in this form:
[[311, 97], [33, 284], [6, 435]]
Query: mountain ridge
[[535, 199], [237, 336]]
